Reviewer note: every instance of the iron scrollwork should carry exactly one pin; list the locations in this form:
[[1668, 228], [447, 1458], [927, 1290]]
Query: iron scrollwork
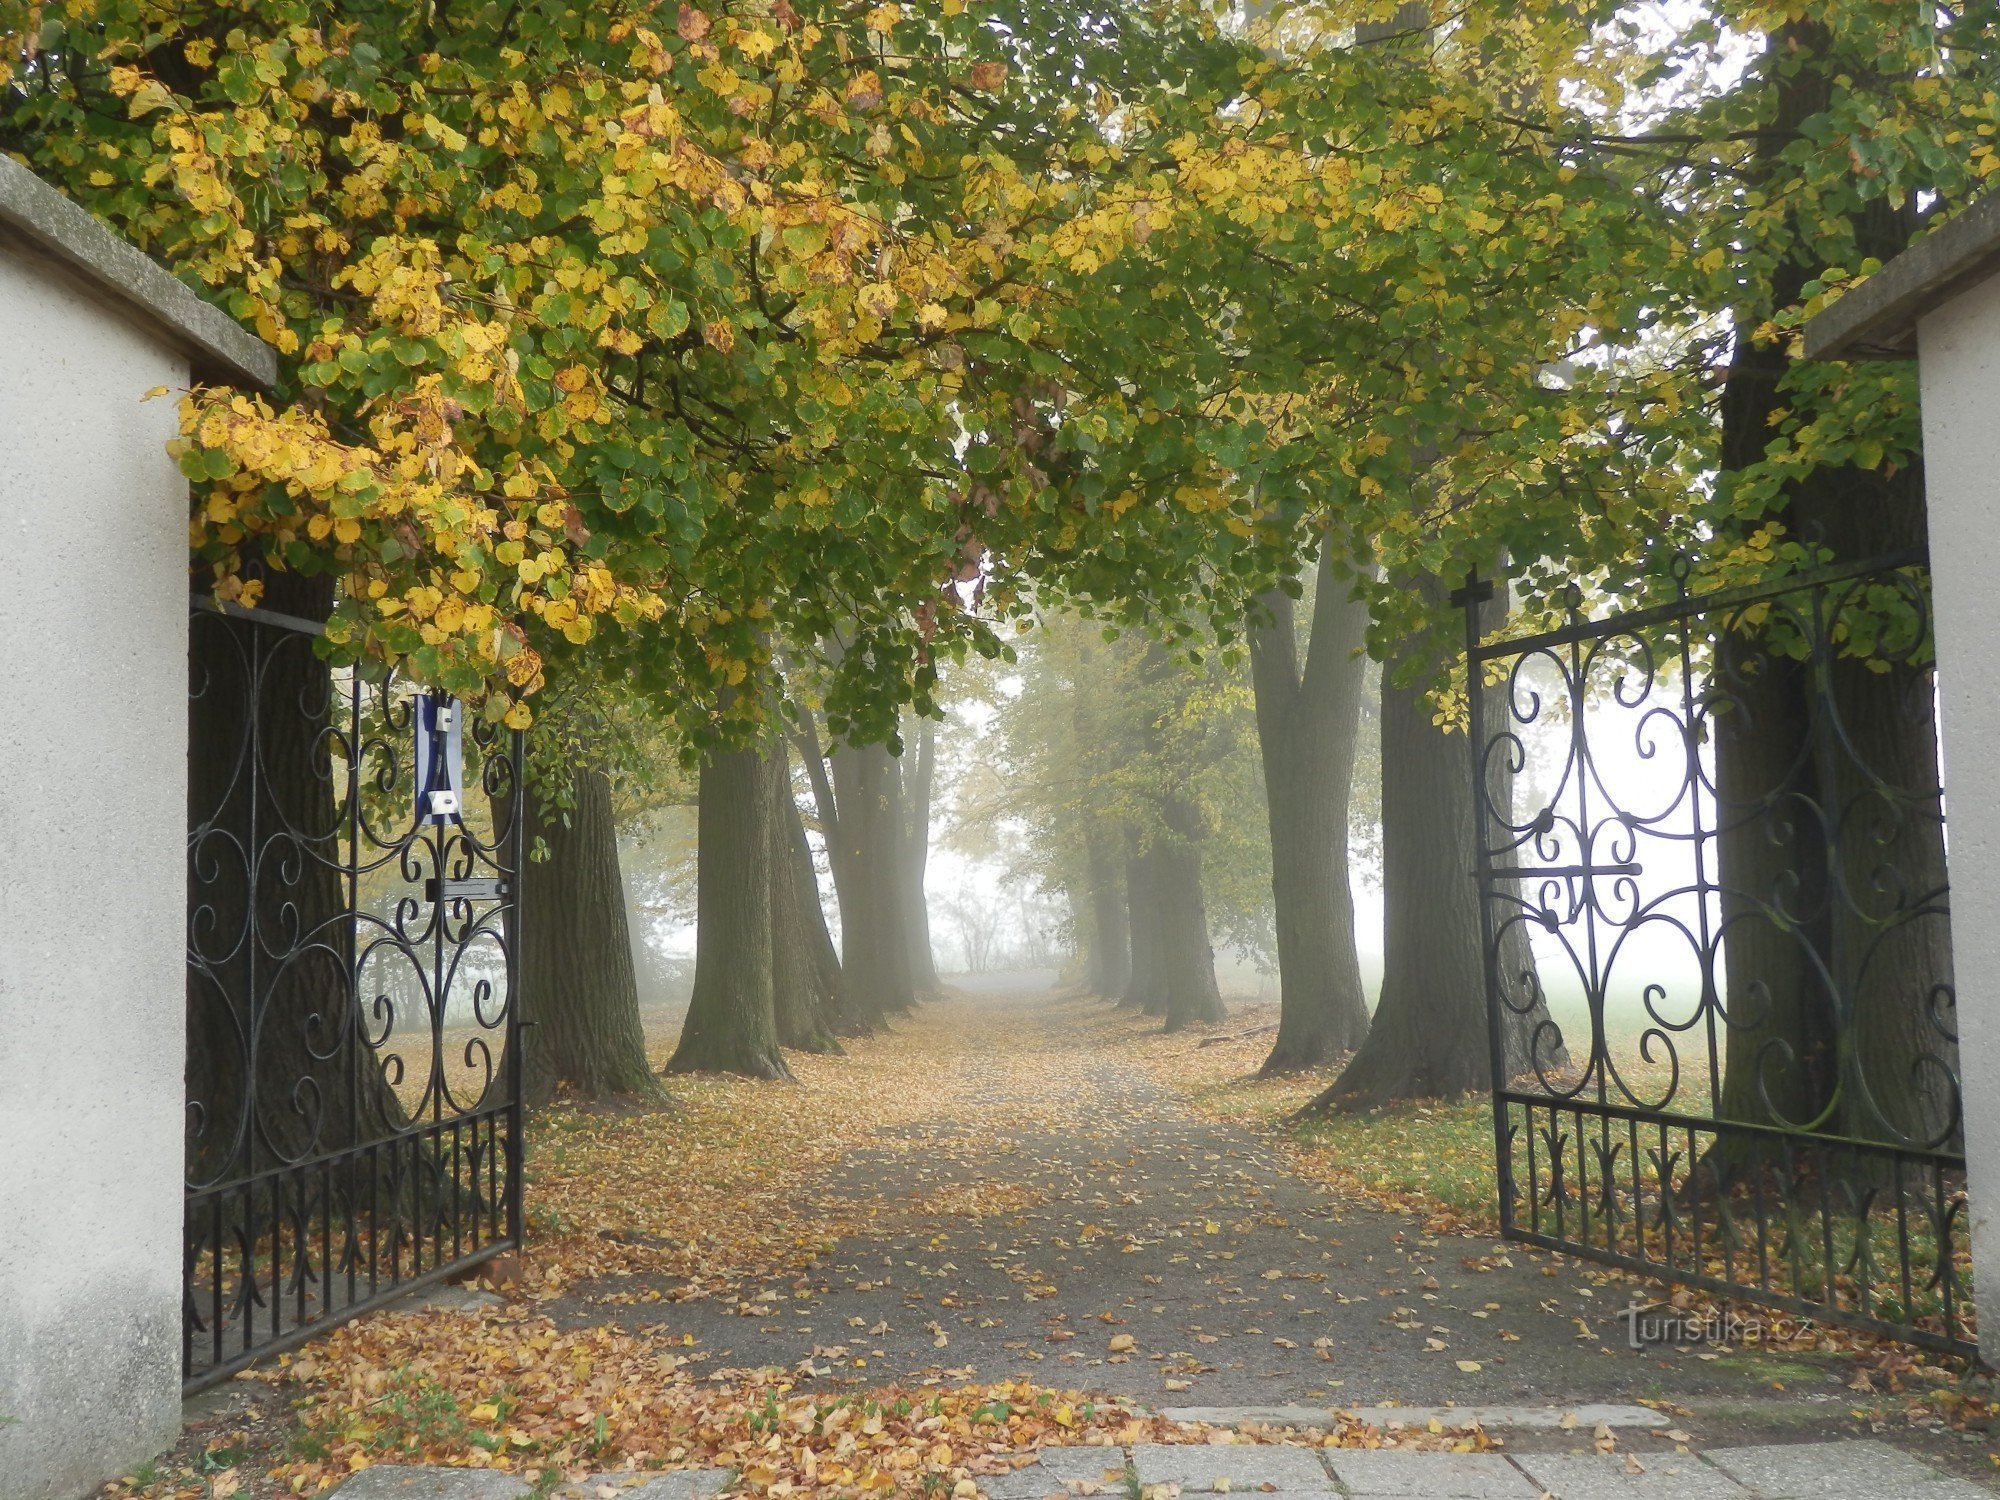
[[353, 1115], [1718, 821]]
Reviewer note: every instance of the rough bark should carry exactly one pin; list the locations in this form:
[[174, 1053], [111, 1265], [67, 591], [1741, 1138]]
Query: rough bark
[[576, 957], [874, 942], [1429, 1037], [732, 1024], [1108, 942], [1831, 1018], [1307, 718], [1188, 994], [805, 970]]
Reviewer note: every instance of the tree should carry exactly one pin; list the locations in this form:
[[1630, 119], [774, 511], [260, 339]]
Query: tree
[[1108, 938], [1180, 975], [915, 843], [732, 1024], [1307, 717], [867, 826], [808, 988], [576, 968], [1429, 1037], [1820, 1036]]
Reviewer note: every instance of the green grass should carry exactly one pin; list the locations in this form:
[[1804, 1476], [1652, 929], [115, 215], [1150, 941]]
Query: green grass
[[1439, 1152]]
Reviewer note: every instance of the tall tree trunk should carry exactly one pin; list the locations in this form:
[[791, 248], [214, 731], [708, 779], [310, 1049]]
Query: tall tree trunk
[[1188, 994], [1429, 1036], [874, 942], [576, 956], [917, 783], [857, 1015], [1829, 992], [805, 971], [1182, 970], [1307, 721], [1142, 982], [732, 1024], [1108, 943]]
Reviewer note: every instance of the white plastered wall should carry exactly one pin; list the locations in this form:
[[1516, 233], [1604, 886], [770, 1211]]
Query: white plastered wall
[[1959, 348], [93, 750]]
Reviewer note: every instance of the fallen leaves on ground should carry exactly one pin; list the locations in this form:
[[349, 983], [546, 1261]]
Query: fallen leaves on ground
[[498, 1389], [1433, 1159], [735, 1183], [747, 1183]]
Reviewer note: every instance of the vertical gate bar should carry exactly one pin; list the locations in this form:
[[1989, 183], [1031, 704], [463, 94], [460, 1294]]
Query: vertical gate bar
[[516, 1032], [242, 1282], [352, 1044], [1903, 1241], [1558, 1164], [1638, 1187], [188, 1304], [416, 1150], [254, 865], [1694, 1205], [215, 1277], [1534, 1172], [494, 1207], [1665, 1171], [374, 1230], [277, 1256], [351, 1224], [1825, 1224], [277, 1299], [1725, 1219], [393, 1148], [1582, 1179], [1947, 1252], [1474, 593], [326, 1236], [1711, 1000], [301, 1259], [1763, 1222], [1586, 856]]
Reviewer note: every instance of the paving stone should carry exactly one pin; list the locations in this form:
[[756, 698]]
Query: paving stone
[[1198, 1467], [1588, 1416], [680, 1484], [1606, 1476], [1807, 1471], [1381, 1475], [1268, 1416], [1087, 1470], [422, 1482]]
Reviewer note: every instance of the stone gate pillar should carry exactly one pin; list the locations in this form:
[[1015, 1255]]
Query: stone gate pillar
[[93, 833]]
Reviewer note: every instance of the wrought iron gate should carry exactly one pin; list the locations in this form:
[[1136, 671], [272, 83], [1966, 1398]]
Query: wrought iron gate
[[1710, 850], [353, 1118]]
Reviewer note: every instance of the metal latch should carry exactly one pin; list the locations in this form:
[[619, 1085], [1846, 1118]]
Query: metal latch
[[490, 889]]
